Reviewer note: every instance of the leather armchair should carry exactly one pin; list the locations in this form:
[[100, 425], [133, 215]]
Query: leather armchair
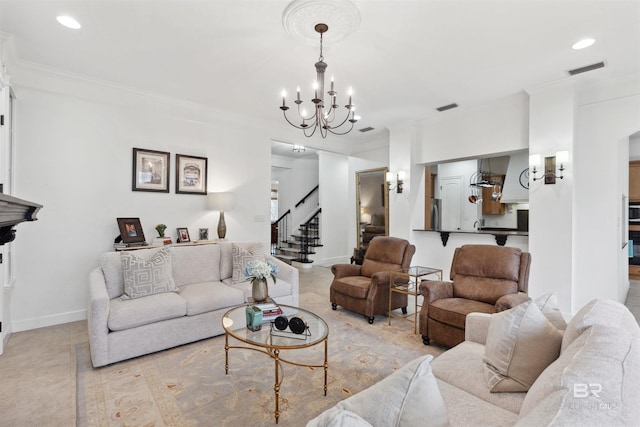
[[364, 288], [484, 278]]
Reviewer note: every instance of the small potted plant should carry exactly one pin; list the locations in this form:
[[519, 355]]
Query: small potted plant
[[160, 228]]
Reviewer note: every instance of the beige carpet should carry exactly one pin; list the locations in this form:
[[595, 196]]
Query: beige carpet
[[187, 386]]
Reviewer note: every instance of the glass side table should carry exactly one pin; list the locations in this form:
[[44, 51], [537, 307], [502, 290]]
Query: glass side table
[[407, 281]]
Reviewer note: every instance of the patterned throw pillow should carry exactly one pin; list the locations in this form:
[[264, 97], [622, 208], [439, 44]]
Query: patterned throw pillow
[[143, 278], [241, 258], [520, 344]]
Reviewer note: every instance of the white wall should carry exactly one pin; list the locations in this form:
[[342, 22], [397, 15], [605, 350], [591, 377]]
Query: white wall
[[334, 200], [499, 127], [74, 143], [551, 127], [294, 184], [604, 125]]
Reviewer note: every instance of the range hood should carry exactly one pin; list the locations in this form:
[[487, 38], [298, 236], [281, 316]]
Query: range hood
[[513, 191]]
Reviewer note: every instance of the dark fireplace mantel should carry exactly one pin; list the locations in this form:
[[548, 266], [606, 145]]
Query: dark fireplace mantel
[[13, 211]]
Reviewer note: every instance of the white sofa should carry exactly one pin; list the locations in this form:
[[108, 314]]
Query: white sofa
[[595, 381], [206, 286]]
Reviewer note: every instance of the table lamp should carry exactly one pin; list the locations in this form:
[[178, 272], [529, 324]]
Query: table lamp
[[221, 202]]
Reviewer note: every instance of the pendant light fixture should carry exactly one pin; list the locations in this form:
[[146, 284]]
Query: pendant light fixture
[[322, 114]]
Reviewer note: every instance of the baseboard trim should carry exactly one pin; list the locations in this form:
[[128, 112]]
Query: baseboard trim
[[44, 321], [328, 262]]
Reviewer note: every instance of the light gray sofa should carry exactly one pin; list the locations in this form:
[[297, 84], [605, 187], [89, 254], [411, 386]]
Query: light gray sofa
[[595, 381], [120, 328]]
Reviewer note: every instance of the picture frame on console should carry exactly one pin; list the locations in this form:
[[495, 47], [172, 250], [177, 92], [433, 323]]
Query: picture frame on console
[[204, 234], [183, 235], [131, 230], [150, 170], [191, 174]]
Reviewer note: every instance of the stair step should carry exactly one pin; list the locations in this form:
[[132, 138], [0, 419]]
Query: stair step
[[295, 251], [285, 257]]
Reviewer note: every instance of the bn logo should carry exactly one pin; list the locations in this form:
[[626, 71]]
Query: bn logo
[[581, 390]]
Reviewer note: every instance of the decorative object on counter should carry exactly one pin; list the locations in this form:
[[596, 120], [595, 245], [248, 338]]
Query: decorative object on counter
[[131, 231], [204, 234], [257, 273], [183, 235], [535, 161], [150, 170], [221, 202], [160, 228], [191, 174], [254, 318]]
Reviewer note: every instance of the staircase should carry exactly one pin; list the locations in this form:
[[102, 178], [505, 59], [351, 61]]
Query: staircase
[[298, 246]]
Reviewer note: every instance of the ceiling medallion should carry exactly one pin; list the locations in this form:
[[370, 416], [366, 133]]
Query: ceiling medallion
[[301, 16]]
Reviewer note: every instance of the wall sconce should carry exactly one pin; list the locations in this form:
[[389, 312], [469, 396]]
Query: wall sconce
[[535, 161], [221, 202], [399, 179]]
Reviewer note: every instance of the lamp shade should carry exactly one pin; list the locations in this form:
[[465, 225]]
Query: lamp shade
[[221, 201], [535, 160], [562, 156]]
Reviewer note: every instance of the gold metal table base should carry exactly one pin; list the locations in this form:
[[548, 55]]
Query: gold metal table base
[[407, 281], [274, 353]]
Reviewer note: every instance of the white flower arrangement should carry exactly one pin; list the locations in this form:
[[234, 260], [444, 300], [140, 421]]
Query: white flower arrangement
[[261, 270]]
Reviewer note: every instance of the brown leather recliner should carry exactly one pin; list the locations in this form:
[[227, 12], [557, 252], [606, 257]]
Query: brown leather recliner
[[485, 279], [364, 288]]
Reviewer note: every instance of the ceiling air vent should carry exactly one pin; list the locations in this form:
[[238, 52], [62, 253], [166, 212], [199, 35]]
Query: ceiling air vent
[[447, 107], [586, 68], [367, 129]]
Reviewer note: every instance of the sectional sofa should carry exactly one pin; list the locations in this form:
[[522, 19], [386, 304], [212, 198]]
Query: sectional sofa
[[586, 375], [152, 299]]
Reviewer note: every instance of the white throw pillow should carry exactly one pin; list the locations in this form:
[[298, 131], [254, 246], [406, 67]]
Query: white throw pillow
[[520, 344], [146, 277], [408, 397], [548, 305], [241, 258]]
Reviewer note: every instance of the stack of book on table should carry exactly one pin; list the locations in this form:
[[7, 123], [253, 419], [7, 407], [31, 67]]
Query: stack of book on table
[[269, 311]]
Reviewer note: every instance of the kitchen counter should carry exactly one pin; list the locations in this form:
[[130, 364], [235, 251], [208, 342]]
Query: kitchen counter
[[501, 234]]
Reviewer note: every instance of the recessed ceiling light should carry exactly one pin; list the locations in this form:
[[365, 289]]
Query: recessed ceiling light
[[68, 22], [583, 43]]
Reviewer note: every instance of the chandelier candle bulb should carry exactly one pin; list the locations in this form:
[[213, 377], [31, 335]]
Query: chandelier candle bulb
[[298, 90], [284, 94]]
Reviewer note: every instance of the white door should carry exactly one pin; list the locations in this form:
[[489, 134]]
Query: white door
[[451, 194]]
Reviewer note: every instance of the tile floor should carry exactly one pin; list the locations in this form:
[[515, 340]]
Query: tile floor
[[37, 369]]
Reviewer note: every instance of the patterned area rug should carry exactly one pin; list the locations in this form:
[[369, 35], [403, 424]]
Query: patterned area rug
[[187, 386]]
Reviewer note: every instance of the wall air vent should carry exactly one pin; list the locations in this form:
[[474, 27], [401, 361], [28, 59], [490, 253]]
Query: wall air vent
[[447, 107], [586, 68], [367, 129]]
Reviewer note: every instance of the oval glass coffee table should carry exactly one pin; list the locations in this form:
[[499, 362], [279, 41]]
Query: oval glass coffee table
[[271, 341]]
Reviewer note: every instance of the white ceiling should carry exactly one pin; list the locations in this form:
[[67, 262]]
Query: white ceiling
[[406, 59]]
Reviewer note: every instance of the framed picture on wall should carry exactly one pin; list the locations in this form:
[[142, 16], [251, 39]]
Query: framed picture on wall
[[150, 170], [191, 174], [183, 235], [130, 230]]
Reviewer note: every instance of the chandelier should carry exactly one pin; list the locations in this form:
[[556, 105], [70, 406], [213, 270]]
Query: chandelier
[[321, 116]]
